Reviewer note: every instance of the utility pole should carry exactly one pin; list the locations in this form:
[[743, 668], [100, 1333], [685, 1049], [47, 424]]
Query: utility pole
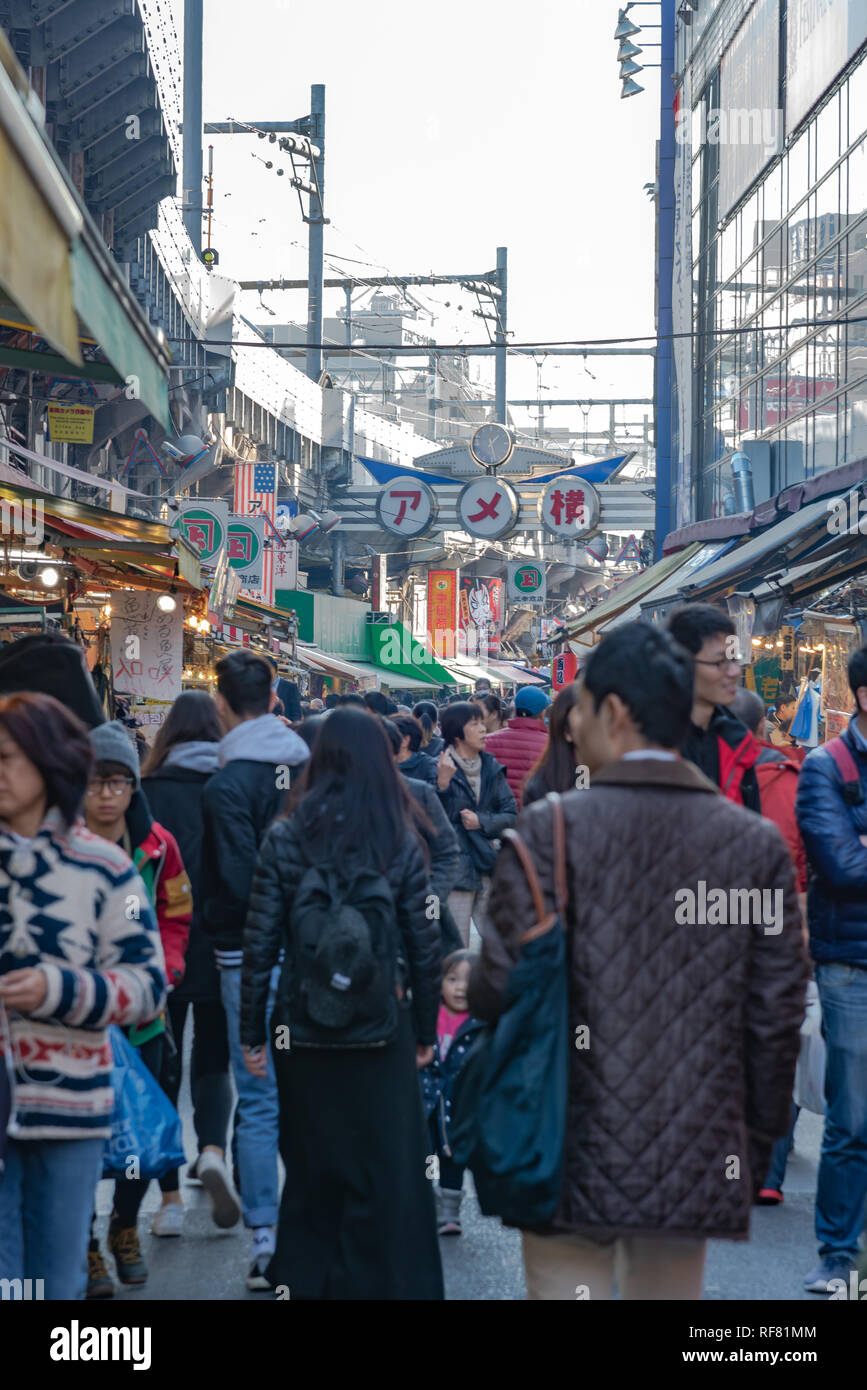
[[502, 309], [192, 128], [316, 233]]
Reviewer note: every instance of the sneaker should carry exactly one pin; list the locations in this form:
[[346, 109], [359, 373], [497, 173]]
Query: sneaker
[[123, 1243], [193, 1179], [99, 1281], [225, 1207], [831, 1268], [450, 1213], [257, 1279], [169, 1220], [770, 1197]]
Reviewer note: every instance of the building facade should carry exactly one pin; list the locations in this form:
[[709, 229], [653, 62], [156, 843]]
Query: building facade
[[770, 270]]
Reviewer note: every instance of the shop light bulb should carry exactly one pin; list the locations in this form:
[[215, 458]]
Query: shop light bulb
[[821, 647], [757, 641], [167, 603], [779, 644], [50, 578]]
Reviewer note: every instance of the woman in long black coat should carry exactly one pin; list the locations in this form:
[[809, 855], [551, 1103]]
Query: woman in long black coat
[[357, 1218], [183, 758]]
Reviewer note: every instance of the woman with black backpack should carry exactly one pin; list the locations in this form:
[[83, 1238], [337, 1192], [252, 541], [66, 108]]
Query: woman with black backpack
[[342, 888]]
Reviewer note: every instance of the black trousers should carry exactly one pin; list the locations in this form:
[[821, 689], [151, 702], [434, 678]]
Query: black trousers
[[210, 1086], [451, 1173]]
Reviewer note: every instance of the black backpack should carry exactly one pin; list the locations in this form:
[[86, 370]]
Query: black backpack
[[341, 969]]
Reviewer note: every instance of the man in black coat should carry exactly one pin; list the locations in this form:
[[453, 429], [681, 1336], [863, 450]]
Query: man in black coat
[[238, 804]]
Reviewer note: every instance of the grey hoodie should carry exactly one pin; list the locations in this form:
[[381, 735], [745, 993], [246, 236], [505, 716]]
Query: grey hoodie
[[196, 756], [265, 739]]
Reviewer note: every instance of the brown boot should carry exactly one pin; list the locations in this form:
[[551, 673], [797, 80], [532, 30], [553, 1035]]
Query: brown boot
[[123, 1243]]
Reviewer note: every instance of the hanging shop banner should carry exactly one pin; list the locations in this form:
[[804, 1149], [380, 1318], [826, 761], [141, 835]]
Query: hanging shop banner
[[526, 583], [442, 611], [482, 613], [246, 550], [406, 507], [205, 524], [821, 37], [379, 583], [285, 564], [70, 424], [564, 669], [147, 646], [569, 507], [488, 509], [748, 127]]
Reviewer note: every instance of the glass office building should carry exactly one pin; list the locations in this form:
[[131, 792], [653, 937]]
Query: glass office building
[[771, 239]]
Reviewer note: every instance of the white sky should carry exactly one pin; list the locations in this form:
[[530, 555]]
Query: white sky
[[451, 128]]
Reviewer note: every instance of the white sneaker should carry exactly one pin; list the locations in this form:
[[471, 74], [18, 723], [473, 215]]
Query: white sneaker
[[169, 1220], [225, 1206]]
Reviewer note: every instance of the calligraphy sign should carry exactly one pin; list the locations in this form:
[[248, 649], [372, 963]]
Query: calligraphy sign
[[147, 645], [406, 507]]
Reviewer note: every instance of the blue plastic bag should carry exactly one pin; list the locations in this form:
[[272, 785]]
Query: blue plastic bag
[[145, 1125]]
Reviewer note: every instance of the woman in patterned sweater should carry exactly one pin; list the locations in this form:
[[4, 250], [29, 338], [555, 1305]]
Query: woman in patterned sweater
[[79, 950]]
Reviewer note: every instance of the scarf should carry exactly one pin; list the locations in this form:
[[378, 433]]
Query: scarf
[[472, 770]]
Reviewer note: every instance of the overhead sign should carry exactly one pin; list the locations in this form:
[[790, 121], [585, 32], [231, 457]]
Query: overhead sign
[[526, 583], [406, 507], [147, 645], [749, 125], [205, 524], [488, 508], [246, 551], [481, 615], [70, 424], [821, 37], [569, 507]]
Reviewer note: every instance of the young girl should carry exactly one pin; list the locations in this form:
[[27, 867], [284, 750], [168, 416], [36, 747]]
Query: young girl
[[456, 1032]]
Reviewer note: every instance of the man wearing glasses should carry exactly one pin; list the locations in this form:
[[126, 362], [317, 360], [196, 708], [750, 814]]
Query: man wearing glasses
[[718, 742]]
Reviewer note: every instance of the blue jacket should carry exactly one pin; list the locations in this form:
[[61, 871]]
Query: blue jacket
[[836, 858], [438, 1078]]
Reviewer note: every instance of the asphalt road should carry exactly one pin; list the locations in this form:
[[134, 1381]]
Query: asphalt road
[[485, 1262]]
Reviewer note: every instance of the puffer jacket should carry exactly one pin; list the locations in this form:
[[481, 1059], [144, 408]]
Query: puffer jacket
[[439, 1077], [419, 766], [777, 776], [495, 808], [726, 752], [287, 853], [836, 857], [693, 1029], [518, 747]]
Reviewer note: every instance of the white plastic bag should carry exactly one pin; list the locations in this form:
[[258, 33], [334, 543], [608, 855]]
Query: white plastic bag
[[810, 1071]]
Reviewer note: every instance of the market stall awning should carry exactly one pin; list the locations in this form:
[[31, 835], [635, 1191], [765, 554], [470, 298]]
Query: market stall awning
[[59, 283], [518, 675], [395, 651], [469, 672], [668, 590], [631, 590], [327, 664]]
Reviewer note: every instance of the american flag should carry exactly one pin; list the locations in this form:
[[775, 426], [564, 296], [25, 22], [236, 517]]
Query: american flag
[[256, 495]]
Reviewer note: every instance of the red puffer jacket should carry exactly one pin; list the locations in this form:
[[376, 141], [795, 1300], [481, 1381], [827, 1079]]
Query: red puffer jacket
[[518, 747], [777, 776]]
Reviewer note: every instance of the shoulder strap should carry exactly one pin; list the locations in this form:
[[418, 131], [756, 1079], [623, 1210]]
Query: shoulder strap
[[544, 919], [847, 767]]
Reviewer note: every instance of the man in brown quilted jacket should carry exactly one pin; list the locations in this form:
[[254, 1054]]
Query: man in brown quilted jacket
[[687, 983]]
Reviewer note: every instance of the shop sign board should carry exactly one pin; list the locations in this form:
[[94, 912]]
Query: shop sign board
[[488, 508], [147, 645], [527, 583], [205, 524], [569, 507], [70, 424], [406, 507], [821, 37], [481, 615], [246, 552]]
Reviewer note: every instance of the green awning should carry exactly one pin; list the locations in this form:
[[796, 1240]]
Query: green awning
[[396, 651], [100, 306]]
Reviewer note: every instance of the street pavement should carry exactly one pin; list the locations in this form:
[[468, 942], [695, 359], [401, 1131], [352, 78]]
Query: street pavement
[[484, 1263]]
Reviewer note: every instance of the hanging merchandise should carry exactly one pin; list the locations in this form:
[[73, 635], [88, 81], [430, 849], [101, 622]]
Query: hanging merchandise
[[805, 725], [840, 641]]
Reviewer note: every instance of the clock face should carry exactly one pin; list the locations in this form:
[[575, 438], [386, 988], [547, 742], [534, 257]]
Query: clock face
[[491, 445]]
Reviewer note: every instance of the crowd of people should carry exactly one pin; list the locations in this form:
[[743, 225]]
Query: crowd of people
[[331, 896]]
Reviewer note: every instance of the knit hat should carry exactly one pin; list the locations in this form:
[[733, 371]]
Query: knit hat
[[532, 700], [112, 744], [51, 667]]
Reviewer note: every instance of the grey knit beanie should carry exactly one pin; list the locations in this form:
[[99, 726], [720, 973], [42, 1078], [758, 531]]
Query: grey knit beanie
[[112, 744]]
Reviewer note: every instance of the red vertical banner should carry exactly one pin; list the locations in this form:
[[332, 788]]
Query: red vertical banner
[[378, 584], [442, 611]]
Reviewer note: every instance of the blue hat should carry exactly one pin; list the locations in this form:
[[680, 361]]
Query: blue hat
[[532, 700]]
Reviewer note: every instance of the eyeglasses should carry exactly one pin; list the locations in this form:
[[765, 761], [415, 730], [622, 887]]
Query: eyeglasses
[[723, 662], [116, 786]]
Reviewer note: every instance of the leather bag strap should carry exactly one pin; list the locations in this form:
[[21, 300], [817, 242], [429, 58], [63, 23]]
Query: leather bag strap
[[544, 919]]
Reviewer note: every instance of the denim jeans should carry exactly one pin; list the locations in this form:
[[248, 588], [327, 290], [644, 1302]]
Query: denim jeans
[[257, 1115], [46, 1198], [780, 1154], [842, 1185]]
